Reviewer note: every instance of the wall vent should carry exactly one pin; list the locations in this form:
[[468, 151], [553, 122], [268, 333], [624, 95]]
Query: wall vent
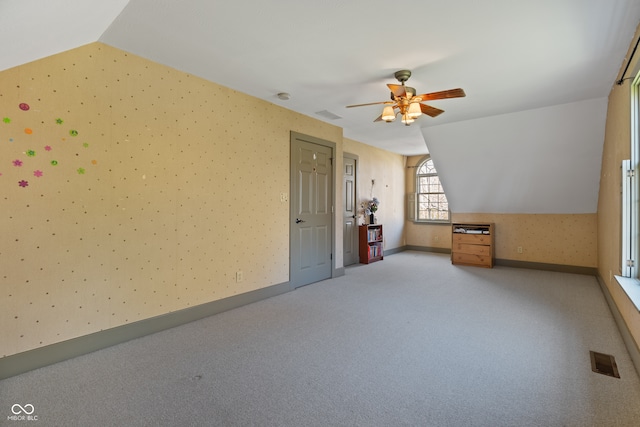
[[604, 364]]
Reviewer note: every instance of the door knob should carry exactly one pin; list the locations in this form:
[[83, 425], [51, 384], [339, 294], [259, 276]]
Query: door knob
[[298, 221]]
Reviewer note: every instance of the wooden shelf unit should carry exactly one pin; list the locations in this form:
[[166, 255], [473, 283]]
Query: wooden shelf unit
[[370, 243], [472, 244]]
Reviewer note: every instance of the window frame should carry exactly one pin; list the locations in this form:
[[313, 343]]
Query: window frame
[[630, 195], [414, 198], [629, 278]]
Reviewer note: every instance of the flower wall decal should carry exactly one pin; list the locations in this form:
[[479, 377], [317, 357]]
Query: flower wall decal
[[28, 157]]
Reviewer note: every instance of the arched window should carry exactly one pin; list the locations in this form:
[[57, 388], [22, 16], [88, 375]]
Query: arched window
[[431, 202]]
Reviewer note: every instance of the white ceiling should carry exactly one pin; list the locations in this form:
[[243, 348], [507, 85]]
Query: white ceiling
[[508, 55]]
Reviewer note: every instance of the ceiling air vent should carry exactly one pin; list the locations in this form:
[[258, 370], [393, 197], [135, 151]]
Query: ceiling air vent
[[328, 115]]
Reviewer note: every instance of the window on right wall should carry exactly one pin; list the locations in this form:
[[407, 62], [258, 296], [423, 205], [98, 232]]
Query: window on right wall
[[630, 191], [629, 279], [431, 203]]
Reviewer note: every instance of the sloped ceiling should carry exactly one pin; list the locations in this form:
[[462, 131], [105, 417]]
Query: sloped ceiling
[[509, 56], [545, 160], [35, 29]]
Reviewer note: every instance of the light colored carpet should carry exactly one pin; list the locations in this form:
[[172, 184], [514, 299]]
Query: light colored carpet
[[409, 341]]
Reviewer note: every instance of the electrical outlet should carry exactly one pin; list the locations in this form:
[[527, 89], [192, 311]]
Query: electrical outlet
[[519, 249], [239, 276]]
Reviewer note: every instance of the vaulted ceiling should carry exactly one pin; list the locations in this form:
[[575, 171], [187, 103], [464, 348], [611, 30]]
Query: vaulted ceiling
[[510, 57]]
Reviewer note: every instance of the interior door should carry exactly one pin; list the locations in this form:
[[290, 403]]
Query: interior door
[[350, 213], [311, 228]]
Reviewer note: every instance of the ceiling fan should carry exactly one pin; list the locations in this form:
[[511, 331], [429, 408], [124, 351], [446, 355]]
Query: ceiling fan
[[405, 102]]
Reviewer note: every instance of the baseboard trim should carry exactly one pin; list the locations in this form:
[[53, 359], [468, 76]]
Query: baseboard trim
[[629, 341], [392, 251], [43, 356], [562, 268], [427, 249]]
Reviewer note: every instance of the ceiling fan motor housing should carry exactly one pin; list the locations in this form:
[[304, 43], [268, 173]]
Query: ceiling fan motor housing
[[402, 75]]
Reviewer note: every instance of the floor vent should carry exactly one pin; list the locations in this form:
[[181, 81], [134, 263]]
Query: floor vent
[[604, 364]]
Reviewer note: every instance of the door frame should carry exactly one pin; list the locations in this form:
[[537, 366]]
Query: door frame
[[332, 145]]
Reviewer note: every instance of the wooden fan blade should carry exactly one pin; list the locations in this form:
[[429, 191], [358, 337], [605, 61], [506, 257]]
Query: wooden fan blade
[[398, 90], [451, 93], [371, 103], [430, 111]]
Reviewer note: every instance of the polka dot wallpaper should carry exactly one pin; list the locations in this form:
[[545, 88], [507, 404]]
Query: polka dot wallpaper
[[130, 190]]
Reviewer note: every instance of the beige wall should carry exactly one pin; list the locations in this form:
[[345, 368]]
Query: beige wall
[[171, 185], [616, 149], [386, 169], [565, 239]]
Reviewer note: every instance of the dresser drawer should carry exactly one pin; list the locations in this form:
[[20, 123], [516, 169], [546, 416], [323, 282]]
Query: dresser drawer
[[474, 239], [472, 249], [471, 259]]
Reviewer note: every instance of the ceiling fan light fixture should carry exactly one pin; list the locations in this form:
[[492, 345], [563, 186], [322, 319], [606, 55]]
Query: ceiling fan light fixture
[[414, 110], [406, 119], [387, 114]]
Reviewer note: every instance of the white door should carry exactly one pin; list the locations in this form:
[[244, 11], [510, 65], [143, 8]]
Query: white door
[[311, 228]]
